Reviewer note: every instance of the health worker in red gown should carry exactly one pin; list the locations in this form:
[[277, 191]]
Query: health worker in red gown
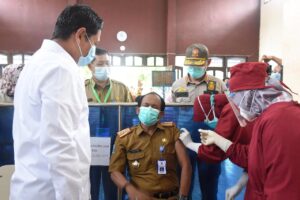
[[272, 157]]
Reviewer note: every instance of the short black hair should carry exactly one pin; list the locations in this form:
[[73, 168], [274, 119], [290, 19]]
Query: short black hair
[[139, 100], [100, 51], [74, 17]]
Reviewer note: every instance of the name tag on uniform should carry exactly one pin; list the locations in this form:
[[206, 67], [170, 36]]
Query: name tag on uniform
[[181, 94], [183, 99], [162, 166]]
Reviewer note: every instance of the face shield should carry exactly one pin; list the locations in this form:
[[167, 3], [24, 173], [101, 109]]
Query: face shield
[[247, 105], [230, 97]]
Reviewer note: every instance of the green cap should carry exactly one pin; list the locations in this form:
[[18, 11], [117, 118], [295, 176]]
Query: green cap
[[196, 54]]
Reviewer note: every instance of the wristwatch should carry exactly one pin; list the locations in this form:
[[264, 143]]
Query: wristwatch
[[183, 197]]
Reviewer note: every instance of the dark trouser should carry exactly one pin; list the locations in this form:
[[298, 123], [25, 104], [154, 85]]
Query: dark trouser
[[208, 173], [98, 173], [208, 177]]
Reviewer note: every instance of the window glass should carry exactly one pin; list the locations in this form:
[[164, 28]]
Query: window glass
[[179, 60], [210, 72], [228, 74], [216, 62], [235, 60], [129, 61], [219, 74], [139, 77], [26, 58], [110, 59], [150, 61], [3, 59], [17, 59], [116, 60], [138, 61], [159, 61]]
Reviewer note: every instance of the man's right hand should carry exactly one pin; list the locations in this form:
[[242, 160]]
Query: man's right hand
[[135, 194]]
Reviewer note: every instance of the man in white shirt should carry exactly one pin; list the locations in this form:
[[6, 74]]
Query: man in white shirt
[[50, 127]]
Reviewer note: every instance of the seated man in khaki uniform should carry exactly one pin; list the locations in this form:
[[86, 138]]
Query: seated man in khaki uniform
[[100, 88], [151, 151]]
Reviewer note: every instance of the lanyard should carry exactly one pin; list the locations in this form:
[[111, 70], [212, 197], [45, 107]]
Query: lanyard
[[212, 108], [106, 96]]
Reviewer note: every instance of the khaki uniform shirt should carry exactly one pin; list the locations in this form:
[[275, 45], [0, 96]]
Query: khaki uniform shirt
[[5, 99], [140, 152], [119, 92], [183, 91]]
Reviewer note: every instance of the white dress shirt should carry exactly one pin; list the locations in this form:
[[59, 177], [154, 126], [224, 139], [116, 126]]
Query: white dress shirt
[[50, 129]]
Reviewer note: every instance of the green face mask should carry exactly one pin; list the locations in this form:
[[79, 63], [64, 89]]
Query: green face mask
[[196, 72], [148, 115]]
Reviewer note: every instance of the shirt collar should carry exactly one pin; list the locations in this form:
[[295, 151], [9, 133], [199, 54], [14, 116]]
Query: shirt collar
[[140, 129], [188, 80], [93, 82], [53, 46]]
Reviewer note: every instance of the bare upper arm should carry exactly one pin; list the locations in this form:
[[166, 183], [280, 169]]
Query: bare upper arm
[[181, 153]]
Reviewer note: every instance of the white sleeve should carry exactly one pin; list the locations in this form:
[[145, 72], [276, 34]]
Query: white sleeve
[[60, 112]]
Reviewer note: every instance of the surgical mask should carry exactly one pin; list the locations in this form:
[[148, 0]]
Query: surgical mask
[[210, 123], [101, 73], [196, 72], [148, 115], [85, 60]]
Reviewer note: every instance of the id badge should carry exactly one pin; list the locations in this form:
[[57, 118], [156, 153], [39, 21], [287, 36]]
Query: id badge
[[162, 166]]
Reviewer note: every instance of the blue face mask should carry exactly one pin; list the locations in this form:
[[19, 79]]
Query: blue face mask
[[211, 123], [101, 73], [148, 115], [196, 72], [85, 60]]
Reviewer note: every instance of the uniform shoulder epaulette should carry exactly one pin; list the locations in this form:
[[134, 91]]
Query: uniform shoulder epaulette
[[169, 124], [124, 132], [87, 82]]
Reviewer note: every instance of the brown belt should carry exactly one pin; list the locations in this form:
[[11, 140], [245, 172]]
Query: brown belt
[[165, 195]]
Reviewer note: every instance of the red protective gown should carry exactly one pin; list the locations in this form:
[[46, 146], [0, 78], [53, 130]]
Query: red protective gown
[[273, 156]]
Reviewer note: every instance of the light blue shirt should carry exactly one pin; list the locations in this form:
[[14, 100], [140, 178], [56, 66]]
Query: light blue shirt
[[276, 75]]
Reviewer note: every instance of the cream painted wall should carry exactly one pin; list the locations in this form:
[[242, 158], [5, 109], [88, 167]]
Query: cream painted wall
[[280, 36], [291, 45], [271, 22]]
